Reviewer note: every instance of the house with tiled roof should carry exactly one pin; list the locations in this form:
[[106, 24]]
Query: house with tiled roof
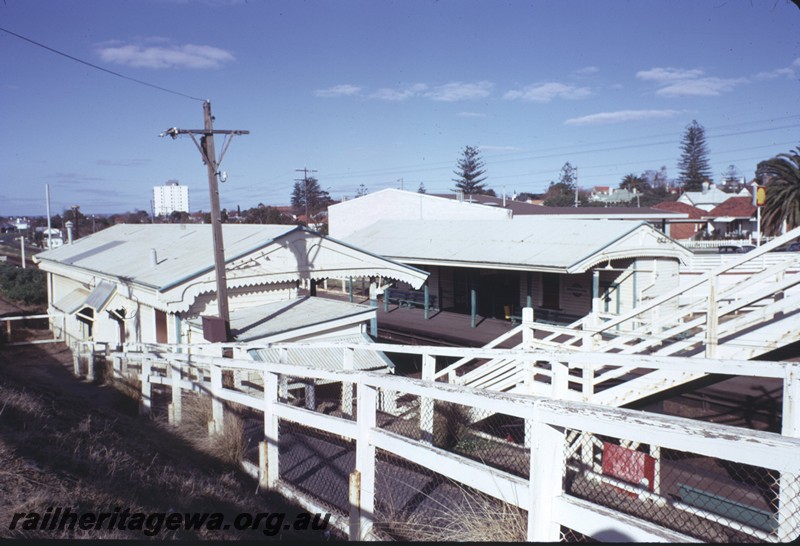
[[734, 218], [682, 229]]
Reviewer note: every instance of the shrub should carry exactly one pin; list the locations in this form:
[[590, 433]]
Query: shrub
[[23, 285]]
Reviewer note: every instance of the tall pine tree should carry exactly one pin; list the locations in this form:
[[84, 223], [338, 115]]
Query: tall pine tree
[[470, 171], [694, 166]]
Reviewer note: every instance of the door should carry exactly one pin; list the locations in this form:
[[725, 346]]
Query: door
[[551, 291], [161, 326]]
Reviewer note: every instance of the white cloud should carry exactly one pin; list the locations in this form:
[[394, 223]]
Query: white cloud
[[343, 90], [586, 71], [667, 75], [701, 87], [167, 56], [471, 115], [792, 71], [606, 118], [676, 82], [545, 92], [397, 95], [456, 91]]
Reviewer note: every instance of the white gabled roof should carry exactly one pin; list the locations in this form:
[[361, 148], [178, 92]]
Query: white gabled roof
[[527, 243], [254, 253]]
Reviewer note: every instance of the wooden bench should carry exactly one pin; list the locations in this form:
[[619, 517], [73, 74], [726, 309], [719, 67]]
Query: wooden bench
[[408, 298], [731, 509]]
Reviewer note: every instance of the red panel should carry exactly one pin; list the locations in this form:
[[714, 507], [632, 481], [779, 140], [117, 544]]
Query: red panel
[[628, 465]]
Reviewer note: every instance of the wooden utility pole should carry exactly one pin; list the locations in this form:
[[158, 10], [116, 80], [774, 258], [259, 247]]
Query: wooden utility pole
[[208, 153]]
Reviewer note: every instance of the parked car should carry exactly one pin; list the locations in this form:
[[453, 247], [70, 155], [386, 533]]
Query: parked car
[[794, 247], [738, 249]]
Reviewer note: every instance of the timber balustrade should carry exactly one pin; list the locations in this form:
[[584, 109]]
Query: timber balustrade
[[392, 456]]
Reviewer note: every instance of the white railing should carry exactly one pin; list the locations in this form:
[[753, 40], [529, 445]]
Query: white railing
[[716, 243], [55, 329], [387, 439]]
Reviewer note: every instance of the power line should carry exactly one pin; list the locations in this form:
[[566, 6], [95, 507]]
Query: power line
[[550, 153], [123, 76]]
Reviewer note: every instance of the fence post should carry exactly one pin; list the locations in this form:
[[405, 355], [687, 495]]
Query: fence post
[[175, 408], [268, 453], [588, 381], [560, 380], [90, 363], [547, 462], [527, 330], [788, 502], [426, 409], [362, 511], [712, 319], [347, 386], [147, 389], [217, 416], [76, 360]]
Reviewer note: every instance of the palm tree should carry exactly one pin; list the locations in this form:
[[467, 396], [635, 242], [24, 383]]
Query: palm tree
[[782, 175]]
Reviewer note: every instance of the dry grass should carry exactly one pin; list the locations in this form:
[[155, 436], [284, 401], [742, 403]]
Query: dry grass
[[465, 515], [228, 445], [71, 444]]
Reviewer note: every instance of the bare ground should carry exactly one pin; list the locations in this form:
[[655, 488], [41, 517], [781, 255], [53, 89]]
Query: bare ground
[[68, 443]]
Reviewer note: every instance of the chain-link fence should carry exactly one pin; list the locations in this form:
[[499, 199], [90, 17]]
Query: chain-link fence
[[706, 498]]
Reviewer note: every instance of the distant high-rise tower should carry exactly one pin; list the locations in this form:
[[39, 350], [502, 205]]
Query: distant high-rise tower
[[169, 198]]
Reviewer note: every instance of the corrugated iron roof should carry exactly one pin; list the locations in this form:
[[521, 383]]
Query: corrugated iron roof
[[165, 255], [530, 243], [329, 358], [181, 250]]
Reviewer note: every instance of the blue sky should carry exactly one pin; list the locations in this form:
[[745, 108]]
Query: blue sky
[[383, 93]]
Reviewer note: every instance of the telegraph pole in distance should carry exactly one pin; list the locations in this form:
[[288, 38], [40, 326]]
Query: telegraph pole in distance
[[208, 153], [305, 172]]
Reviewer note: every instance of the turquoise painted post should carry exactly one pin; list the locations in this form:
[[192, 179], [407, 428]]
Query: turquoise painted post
[[351, 289], [373, 302], [474, 304], [425, 288]]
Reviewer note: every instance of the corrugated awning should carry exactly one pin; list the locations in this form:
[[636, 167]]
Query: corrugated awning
[[72, 301], [80, 298], [101, 295]]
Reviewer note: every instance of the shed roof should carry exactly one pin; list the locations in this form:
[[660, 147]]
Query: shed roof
[[270, 319], [329, 358], [529, 243]]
